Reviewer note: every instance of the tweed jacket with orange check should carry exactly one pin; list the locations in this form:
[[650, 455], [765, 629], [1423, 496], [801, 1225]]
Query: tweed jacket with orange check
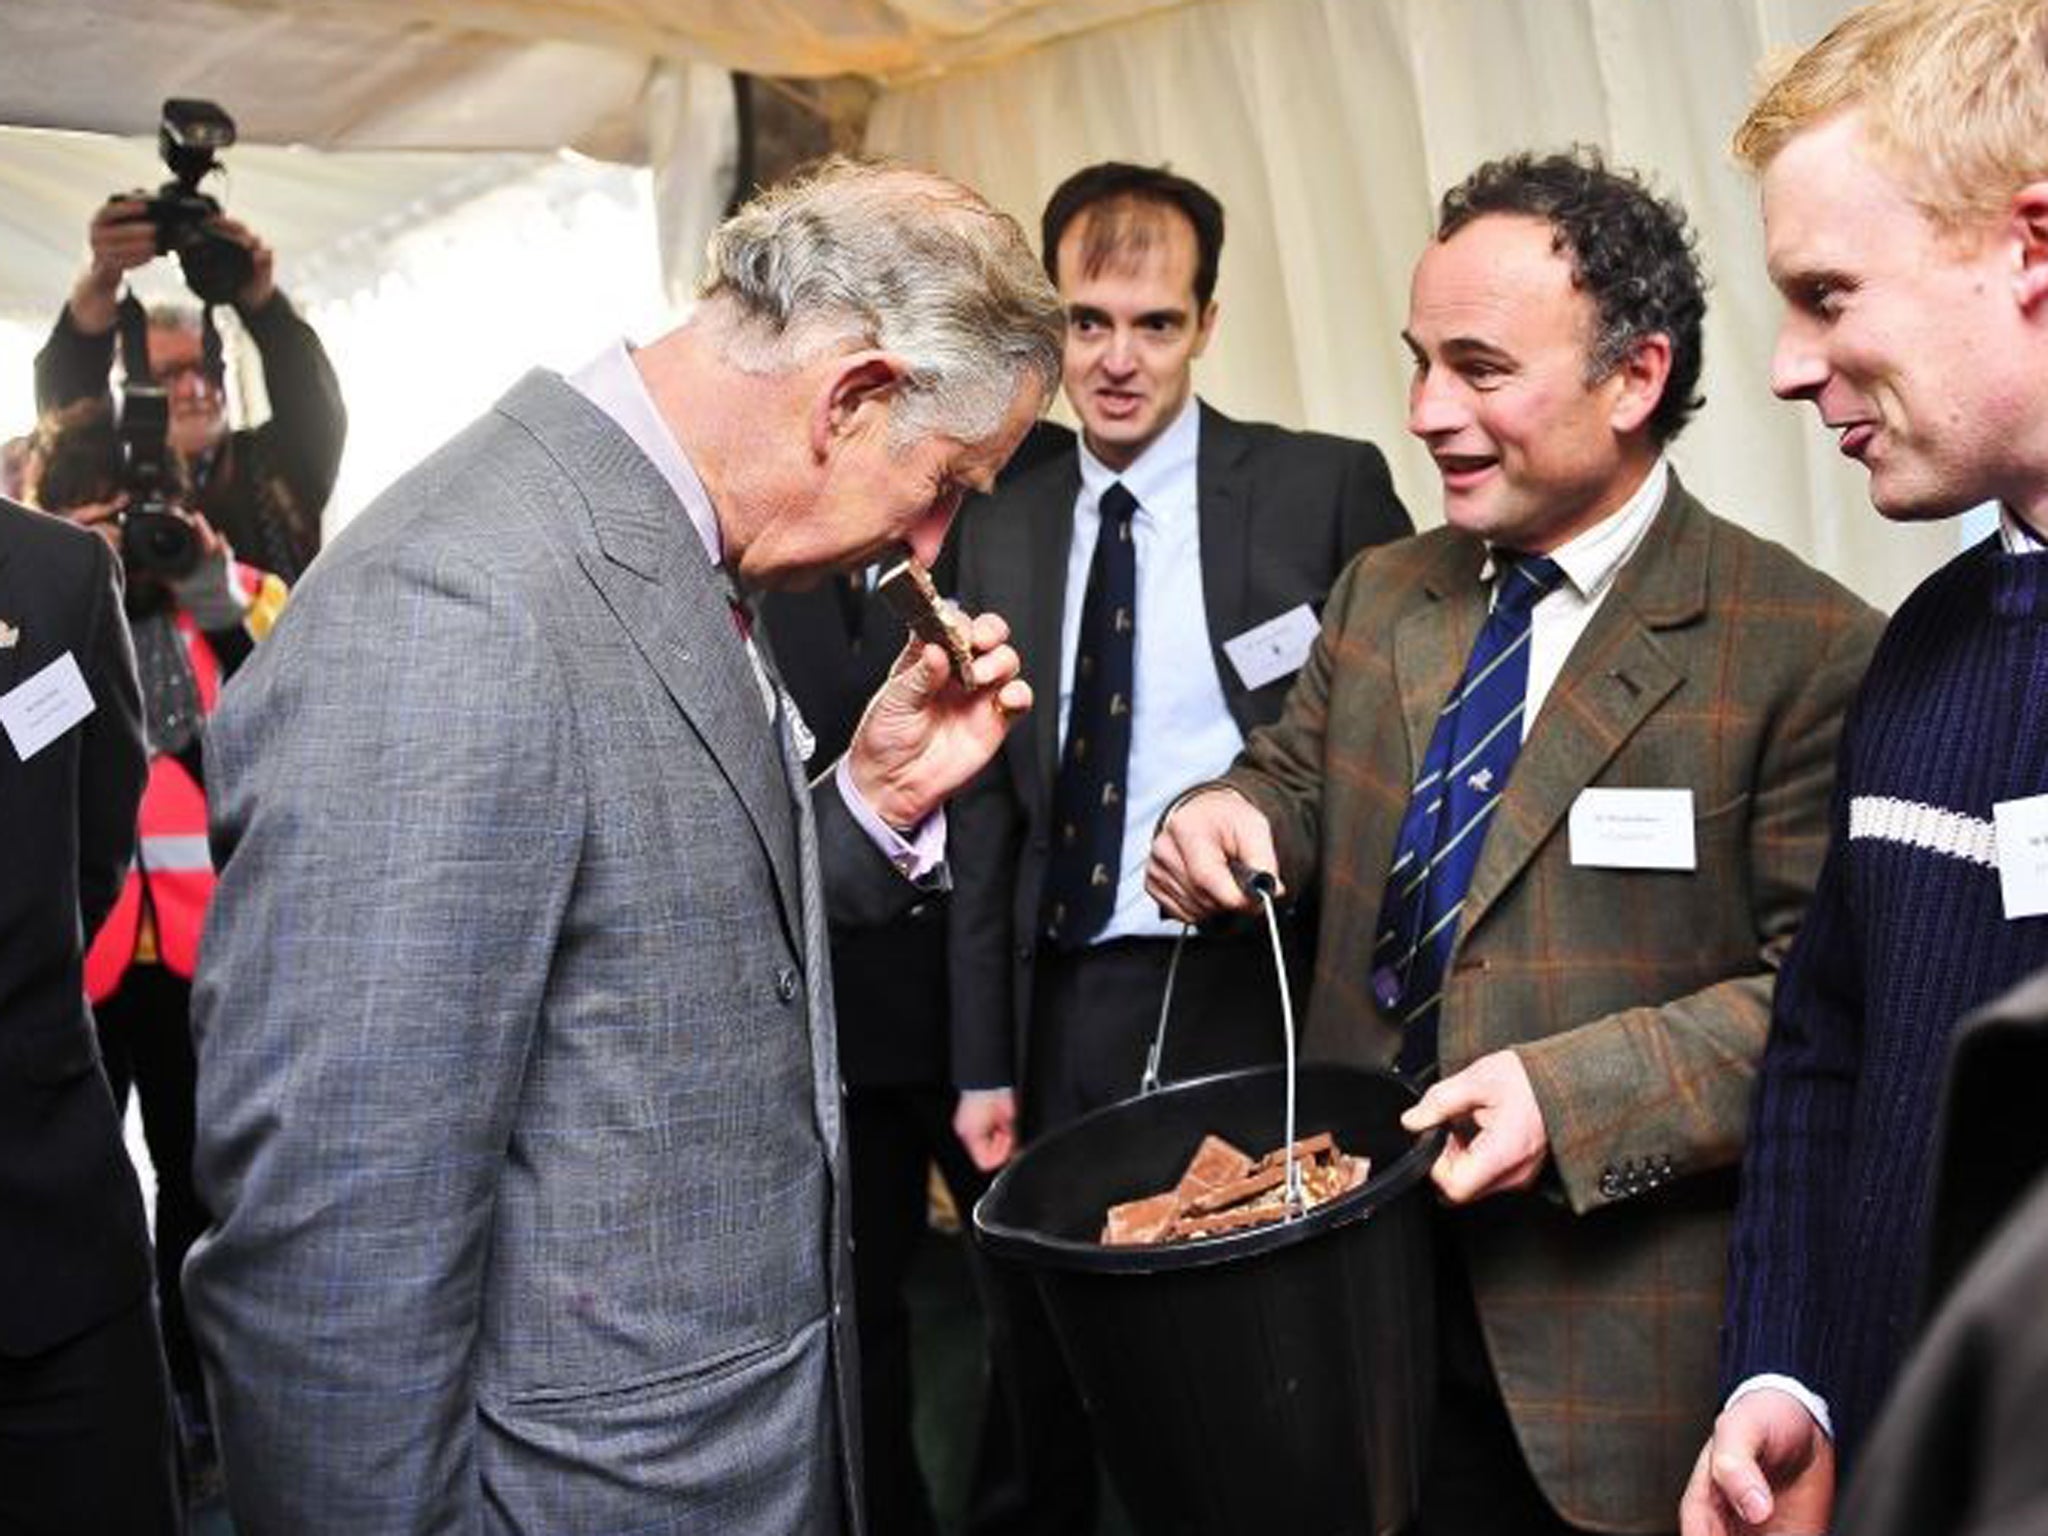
[[1637, 999]]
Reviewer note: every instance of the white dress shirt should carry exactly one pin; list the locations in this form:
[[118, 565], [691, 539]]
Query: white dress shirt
[[2019, 537], [1590, 562]]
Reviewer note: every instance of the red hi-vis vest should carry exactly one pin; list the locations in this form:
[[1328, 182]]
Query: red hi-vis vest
[[172, 871]]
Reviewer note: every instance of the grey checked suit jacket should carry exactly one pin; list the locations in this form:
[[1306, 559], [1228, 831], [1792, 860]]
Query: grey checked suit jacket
[[518, 1103]]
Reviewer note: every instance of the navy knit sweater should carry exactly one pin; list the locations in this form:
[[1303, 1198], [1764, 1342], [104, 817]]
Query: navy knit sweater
[[1905, 935]]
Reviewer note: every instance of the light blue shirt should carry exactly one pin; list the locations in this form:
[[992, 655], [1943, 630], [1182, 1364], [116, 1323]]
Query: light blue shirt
[[1181, 729]]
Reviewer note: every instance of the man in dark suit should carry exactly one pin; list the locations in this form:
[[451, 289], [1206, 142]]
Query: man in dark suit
[[834, 644], [1163, 581], [1559, 773], [85, 1425]]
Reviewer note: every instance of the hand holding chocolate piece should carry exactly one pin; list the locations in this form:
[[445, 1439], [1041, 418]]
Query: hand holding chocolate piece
[[909, 590]]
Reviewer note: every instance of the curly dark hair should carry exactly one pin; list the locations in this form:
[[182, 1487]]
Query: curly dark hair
[[1631, 251]]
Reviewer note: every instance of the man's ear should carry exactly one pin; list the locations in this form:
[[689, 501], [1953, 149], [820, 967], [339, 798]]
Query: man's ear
[[854, 383], [1642, 374], [2027, 228], [1205, 327]]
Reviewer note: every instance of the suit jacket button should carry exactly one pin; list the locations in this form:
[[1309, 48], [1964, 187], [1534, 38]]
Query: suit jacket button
[[785, 984], [1024, 952]]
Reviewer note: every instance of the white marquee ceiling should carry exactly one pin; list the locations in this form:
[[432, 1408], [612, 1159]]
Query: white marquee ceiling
[[398, 85]]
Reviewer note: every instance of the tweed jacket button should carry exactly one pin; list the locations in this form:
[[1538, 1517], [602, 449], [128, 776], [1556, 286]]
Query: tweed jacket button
[[785, 984]]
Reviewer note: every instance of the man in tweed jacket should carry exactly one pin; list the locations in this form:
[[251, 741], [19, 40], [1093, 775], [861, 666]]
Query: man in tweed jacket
[[1598, 1024], [518, 1099]]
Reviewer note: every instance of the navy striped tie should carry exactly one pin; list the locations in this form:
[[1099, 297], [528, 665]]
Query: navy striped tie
[[1471, 751]]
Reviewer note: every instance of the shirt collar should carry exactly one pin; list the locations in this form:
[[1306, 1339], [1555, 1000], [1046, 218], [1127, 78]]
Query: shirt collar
[[1591, 560], [1168, 460], [2019, 537], [612, 383]]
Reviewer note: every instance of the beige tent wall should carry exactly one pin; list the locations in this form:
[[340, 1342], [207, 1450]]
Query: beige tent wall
[[1328, 128]]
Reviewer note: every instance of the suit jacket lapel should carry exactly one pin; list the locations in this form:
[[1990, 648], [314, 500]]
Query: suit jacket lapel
[[646, 561], [1049, 526], [1223, 517], [1618, 675], [1432, 643], [10, 613]]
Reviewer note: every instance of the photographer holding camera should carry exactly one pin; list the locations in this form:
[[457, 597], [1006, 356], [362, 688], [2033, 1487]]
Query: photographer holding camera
[[193, 614], [263, 487]]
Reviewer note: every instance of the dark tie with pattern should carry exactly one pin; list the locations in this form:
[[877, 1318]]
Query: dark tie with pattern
[[1088, 796], [1471, 751]]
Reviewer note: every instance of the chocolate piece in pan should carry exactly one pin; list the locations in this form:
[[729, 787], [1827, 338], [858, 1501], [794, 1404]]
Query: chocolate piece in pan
[[1223, 1190], [909, 590]]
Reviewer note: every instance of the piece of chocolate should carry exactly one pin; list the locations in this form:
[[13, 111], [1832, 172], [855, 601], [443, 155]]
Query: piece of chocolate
[[909, 591], [1236, 1192], [1223, 1190], [1217, 1223], [1141, 1221], [1305, 1150], [1215, 1163]]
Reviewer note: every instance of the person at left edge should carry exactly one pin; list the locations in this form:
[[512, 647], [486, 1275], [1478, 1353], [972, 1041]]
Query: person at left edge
[[1233, 532], [834, 644], [86, 1440], [518, 1106]]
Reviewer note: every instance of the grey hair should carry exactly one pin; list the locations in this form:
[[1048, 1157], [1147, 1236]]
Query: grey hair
[[856, 254], [170, 315]]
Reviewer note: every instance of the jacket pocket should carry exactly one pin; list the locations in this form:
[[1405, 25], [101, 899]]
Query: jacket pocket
[[736, 1361]]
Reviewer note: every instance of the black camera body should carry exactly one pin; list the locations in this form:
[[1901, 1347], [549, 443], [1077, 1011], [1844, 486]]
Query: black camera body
[[156, 542], [192, 135]]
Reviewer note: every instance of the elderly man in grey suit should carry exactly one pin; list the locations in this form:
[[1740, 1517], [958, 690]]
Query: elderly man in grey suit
[[518, 1101]]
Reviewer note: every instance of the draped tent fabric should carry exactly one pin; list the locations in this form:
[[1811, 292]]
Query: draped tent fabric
[[501, 74], [1329, 128]]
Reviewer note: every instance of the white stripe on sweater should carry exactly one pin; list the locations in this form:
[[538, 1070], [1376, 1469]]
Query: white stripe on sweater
[[1881, 818]]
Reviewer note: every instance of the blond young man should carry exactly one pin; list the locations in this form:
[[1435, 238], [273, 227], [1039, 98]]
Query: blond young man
[[1904, 168]]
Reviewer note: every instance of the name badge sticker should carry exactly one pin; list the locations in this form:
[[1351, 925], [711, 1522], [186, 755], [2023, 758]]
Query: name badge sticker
[[2022, 828], [38, 711], [1275, 648], [1633, 829]]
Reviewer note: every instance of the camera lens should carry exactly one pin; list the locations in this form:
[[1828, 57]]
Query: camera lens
[[160, 544], [216, 268]]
